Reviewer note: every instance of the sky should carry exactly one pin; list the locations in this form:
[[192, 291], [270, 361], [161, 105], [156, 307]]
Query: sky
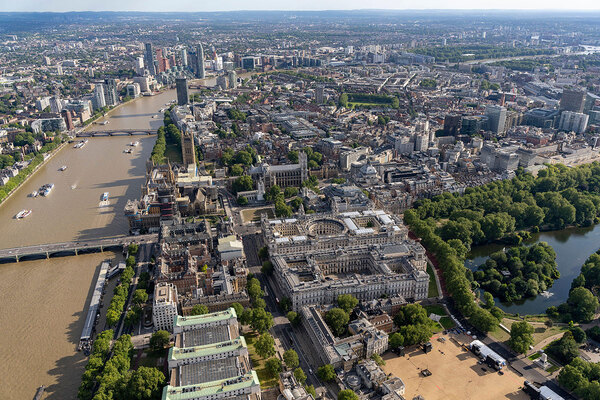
[[233, 5]]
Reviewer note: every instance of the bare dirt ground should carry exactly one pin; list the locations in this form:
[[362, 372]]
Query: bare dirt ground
[[456, 374]]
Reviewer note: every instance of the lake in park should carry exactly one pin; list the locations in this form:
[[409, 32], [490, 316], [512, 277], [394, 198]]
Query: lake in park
[[572, 246]]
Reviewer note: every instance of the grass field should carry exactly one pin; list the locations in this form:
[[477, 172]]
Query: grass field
[[258, 363], [253, 214], [173, 153], [433, 290], [445, 322], [540, 331]]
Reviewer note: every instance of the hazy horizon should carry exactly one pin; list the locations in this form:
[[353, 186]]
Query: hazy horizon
[[290, 5]]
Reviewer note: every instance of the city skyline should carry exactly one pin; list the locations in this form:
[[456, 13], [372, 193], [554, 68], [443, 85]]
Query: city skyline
[[305, 5]]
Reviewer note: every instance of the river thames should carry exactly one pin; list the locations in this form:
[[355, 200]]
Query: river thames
[[44, 301]]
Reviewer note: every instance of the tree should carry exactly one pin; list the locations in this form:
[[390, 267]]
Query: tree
[[246, 317], [290, 357], [326, 373], [242, 184], [396, 340], [260, 303], [483, 320], [347, 394], [293, 156], [311, 390], [236, 170], [130, 261], [199, 309], [347, 302], [344, 100], [565, 349], [377, 358], [273, 365], [337, 319], [521, 337], [489, 300], [159, 340], [263, 253], [262, 320], [239, 309], [242, 201], [140, 297], [254, 289], [578, 334], [144, 384], [300, 375], [265, 345], [583, 304], [290, 191], [294, 318], [267, 268], [133, 249]]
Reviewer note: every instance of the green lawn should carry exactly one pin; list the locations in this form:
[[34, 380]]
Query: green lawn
[[445, 322], [258, 363], [433, 290], [534, 356], [173, 153]]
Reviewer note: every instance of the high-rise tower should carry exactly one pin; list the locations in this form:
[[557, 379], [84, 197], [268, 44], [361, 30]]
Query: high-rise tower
[[182, 91], [150, 58], [200, 73], [188, 150]]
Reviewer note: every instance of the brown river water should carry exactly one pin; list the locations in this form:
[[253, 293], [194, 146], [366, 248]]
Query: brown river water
[[43, 302]]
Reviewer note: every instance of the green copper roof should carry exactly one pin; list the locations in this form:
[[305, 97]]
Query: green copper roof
[[177, 353], [211, 388], [206, 318]]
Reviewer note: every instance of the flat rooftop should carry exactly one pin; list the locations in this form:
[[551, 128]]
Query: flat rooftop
[[176, 353], [206, 318], [208, 371], [206, 336], [214, 388]]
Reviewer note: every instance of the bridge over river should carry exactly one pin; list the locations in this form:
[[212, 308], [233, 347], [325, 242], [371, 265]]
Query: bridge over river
[[117, 132], [71, 248]]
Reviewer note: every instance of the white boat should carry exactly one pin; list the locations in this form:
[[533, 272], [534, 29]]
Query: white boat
[[105, 196], [23, 213], [46, 189], [73, 186], [136, 143], [62, 168], [34, 194], [104, 123], [128, 151]]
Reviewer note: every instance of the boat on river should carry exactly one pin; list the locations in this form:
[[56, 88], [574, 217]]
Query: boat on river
[[62, 168], [105, 196], [23, 214], [34, 194], [46, 189]]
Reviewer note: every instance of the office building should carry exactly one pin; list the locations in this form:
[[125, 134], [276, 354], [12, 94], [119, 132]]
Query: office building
[[139, 66], [56, 105], [42, 103], [572, 100], [184, 58], [164, 307], [222, 82], [496, 118], [210, 360], [452, 125], [319, 95], [133, 90], [364, 253], [249, 63], [99, 98], [67, 116], [572, 121], [232, 77], [200, 73], [110, 92], [183, 97], [150, 59]]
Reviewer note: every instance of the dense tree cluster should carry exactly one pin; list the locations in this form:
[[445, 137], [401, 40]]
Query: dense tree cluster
[[117, 303], [477, 52], [112, 377], [521, 336], [326, 373], [242, 184], [414, 326], [347, 302], [337, 320], [565, 349], [245, 157], [558, 197], [582, 378], [237, 115], [520, 272], [581, 306]]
